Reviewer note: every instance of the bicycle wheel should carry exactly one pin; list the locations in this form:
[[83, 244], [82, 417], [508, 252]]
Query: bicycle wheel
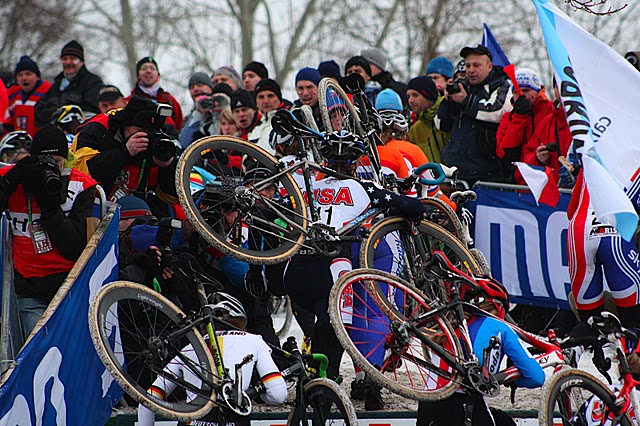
[[282, 314], [443, 215], [391, 246], [575, 397], [369, 311], [313, 145], [324, 403], [129, 325], [262, 221], [481, 260], [336, 109]]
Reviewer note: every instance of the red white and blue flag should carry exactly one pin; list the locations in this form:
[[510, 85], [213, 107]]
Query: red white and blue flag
[[541, 182]]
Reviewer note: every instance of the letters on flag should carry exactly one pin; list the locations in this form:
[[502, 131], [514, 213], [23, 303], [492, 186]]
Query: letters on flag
[[602, 117]]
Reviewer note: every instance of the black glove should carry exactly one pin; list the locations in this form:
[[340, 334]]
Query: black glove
[[35, 185], [522, 105], [146, 259], [255, 283], [14, 177]]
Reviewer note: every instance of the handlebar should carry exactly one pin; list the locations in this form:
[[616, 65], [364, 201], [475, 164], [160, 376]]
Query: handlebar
[[434, 167], [285, 123]]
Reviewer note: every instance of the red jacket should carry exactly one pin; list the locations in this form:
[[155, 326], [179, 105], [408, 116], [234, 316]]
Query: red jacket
[[19, 114], [163, 97], [554, 128]]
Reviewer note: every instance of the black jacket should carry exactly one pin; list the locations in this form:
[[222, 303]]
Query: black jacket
[[82, 91], [387, 82]]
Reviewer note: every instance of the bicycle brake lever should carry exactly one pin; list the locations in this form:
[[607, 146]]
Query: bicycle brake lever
[[602, 364]]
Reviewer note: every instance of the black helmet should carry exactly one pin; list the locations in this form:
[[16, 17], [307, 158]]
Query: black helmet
[[342, 147]]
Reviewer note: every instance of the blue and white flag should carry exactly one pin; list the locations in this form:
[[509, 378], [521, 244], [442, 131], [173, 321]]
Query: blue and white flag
[[602, 115], [488, 40], [58, 378]]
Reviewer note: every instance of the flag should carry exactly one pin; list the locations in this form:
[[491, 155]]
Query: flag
[[488, 40], [602, 117], [541, 183]]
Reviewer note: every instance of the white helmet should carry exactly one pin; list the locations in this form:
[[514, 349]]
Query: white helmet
[[225, 305]]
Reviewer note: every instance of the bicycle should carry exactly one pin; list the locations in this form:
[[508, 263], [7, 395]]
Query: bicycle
[[282, 314], [317, 399], [416, 346], [576, 397]]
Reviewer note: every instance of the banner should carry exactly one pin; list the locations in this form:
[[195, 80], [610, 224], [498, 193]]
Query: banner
[[58, 378], [525, 244], [602, 117]]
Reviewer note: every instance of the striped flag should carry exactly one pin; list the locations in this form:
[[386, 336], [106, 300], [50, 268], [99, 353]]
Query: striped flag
[[602, 117], [541, 183]]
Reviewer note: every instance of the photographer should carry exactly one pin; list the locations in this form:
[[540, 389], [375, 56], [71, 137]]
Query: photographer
[[127, 152], [47, 209], [472, 110]]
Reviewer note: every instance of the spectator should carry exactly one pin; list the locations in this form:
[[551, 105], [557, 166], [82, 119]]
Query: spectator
[[380, 78], [268, 97], [227, 75], [252, 74], [23, 97], [148, 86], [253, 127], [74, 85], [440, 70], [460, 70], [516, 128], [199, 85], [228, 124], [208, 110], [329, 69], [424, 101], [116, 151], [110, 98], [307, 81], [47, 221], [472, 115]]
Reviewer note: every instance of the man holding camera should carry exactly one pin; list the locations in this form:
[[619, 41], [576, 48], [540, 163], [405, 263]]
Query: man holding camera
[[47, 208], [127, 152], [472, 110]]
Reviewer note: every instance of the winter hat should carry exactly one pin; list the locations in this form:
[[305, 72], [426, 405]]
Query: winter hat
[[200, 78], [27, 64], [440, 65], [268, 84], [222, 88], [361, 61], [308, 74], [425, 86], [146, 60], [73, 48], [258, 68], [230, 72], [140, 111], [477, 49], [375, 57], [133, 207], [329, 69], [109, 93], [50, 140], [388, 99], [527, 77], [242, 98]]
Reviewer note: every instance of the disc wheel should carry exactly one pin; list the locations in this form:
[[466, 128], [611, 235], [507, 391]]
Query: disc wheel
[[323, 403], [130, 326], [370, 311], [255, 217]]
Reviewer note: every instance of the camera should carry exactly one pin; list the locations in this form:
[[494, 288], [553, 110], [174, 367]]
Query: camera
[[453, 87], [50, 175], [166, 227], [160, 144], [552, 147]]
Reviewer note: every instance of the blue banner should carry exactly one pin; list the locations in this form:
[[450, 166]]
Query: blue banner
[[525, 244], [58, 378]]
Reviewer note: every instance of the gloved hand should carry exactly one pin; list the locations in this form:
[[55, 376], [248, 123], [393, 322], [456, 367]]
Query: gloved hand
[[255, 282], [566, 178], [14, 177], [466, 216], [522, 105]]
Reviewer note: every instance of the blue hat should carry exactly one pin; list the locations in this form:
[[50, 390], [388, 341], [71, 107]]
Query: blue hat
[[309, 74], [440, 65], [329, 69], [388, 99], [133, 207]]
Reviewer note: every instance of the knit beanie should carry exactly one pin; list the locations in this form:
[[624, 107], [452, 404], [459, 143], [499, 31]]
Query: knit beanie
[[388, 99], [258, 68], [146, 60], [242, 98], [133, 207], [140, 111], [230, 72], [200, 78], [375, 57], [329, 69], [308, 74], [26, 64], [222, 88], [73, 48], [440, 65], [528, 78], [425, 86], [361, 61], [109, 93], [50, 140], [268, 84]]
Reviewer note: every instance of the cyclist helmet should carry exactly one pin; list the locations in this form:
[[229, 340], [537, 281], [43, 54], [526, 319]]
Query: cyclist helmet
[[277, 141], [395, 120], [226, 306], [13, 144], [68, 118], [342, 147], [489, 291]]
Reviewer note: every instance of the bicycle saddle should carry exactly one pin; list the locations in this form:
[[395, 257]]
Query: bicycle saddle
[[285, 123], [443, 268], [353, 83], [463, 196]]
